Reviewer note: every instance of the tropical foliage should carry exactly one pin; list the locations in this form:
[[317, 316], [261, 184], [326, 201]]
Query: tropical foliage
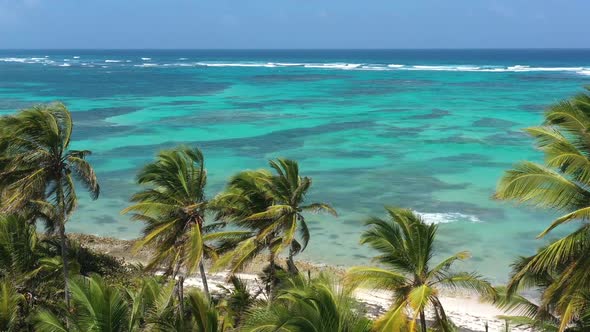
[[173, 207], [560, 183], [38, 169], [272, 207], [405, 244], [320, 304]]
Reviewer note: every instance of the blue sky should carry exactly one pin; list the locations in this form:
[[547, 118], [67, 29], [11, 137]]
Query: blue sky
[[294, 23]]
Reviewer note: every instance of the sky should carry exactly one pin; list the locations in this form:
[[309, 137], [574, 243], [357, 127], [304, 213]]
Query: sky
[[292, 24]]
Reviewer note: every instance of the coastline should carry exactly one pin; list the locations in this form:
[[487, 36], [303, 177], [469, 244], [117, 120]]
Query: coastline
[[467, 311]]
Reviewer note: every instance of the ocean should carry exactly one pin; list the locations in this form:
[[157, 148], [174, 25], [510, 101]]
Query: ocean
[[430, 130]]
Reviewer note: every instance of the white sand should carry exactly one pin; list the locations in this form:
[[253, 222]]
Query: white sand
[[465, 311]]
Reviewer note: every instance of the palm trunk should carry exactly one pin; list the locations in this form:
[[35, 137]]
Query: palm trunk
[[422, 321], [271, 275], [62, 237], [291, 263], [180, 285], [64, 253], [204, 279]]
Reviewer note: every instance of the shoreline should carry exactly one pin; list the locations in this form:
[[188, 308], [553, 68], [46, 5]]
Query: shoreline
[[467, 311]]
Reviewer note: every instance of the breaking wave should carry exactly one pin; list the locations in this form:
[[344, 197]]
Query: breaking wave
[[517, 68], [443, 218]]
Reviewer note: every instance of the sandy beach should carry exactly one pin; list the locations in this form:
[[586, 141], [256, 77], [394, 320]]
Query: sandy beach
[[467, 311]]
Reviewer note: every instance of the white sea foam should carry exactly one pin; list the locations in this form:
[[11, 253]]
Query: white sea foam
[[345, 66], [236, 64], [21, 60], [65, 65], [517, 68], [443, 218]]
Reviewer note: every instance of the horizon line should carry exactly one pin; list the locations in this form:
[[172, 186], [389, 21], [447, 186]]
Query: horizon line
[[299, 49]]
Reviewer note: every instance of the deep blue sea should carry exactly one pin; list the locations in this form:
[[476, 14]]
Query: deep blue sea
[[431, 130]]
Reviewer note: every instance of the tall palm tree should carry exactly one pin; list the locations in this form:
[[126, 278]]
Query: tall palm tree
[[320, 305], [38, 169], [405, 244], [173, 208], [272, 206], [562, 183]]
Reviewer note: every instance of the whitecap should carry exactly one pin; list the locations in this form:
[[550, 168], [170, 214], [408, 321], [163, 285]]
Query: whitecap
[[395, 66], [346, 66], [21, 60], [235, 64], [443, 218], [109, 61], [585, 71], [65, 65], [146, 59], [76, 57]]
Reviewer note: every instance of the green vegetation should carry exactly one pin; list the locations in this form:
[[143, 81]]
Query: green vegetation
[[405, 244], [49, 282], [559, 269]]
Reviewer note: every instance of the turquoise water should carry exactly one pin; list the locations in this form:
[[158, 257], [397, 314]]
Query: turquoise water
[[429, 130]]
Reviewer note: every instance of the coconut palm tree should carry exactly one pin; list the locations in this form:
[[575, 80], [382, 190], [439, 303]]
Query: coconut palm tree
[[560, 183], [272, 206], [405, 244], [38, 170], [173, 208], [320, 304]]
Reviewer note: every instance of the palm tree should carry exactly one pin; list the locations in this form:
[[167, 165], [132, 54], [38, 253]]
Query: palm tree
[[406, 246], [272, 207], [10, 301], [320, 305], [199, 315], [173, 207], [39, 169], [97, 307], [561, 183], [544, 314], [20, 254]]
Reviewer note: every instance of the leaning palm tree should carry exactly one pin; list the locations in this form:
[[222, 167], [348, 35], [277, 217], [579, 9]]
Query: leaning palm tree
[[272, 207], [562, 183], [38, 170], [173, 208], [320, 304], [406, 246]]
